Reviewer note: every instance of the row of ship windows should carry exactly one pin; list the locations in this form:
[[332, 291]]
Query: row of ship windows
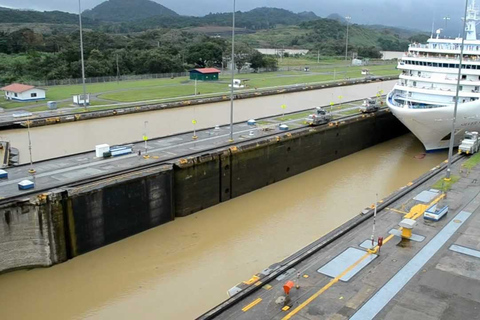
[[440, 65], [422, 85]]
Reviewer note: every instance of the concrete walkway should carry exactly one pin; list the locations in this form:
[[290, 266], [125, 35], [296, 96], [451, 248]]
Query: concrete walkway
[[429, 279]]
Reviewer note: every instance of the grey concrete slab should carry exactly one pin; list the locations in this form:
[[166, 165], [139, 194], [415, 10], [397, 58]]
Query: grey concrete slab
[[387, 292], [414, 237], [367, 244], [461, 265], [402, 313], [464, 250], [347, 258], [427, 196]]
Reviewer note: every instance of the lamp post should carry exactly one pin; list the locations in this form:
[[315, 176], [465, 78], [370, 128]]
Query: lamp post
[[233, 73], [347, 18], [145, 137], [81, 54], [446, 21], [31, 170], [452, 134]]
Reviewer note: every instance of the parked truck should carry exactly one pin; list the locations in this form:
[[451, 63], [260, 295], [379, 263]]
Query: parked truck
[[470, 143], [320, 117]]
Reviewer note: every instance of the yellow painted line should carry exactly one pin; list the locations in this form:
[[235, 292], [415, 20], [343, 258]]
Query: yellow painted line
[[325, 288], [285, 308], [398, 211], [415, 213], [332, 282], [251, 305], [267, 287], [258, 283]]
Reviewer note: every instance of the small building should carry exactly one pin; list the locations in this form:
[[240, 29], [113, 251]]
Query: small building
[[357, 62], [23, 92], [204, 74], [78, 99]]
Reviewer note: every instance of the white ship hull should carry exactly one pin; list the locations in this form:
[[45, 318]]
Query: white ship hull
[[433, 126]]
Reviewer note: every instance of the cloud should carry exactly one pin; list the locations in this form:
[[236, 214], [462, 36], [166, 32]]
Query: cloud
[[406, 13]]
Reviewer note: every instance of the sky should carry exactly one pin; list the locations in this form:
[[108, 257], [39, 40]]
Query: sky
[[413, 14]]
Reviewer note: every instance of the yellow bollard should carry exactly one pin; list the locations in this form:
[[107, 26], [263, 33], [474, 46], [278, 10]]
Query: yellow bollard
[[406, 233]]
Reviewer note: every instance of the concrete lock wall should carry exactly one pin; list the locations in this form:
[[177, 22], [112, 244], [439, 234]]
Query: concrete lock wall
[[208, 180], [53, 227], [102, 214], [31, 233]]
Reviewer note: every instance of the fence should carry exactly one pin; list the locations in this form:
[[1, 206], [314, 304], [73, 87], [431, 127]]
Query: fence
[[62, 82], [313, 65]]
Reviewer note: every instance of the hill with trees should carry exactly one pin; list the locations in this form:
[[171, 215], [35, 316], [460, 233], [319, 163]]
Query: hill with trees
[[128, 10], [30, 16]]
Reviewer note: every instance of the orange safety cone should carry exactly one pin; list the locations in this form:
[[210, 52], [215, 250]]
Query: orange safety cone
[[288, 286]]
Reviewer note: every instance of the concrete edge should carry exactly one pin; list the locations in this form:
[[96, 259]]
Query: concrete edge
[[314, 247]]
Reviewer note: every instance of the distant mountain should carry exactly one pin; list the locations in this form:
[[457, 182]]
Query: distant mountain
[[337, 17], [128, 10], [29, 16], [256, 19]]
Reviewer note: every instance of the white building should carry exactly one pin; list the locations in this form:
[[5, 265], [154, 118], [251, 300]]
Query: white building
[[23, 92], [390, 55], [280, 52]]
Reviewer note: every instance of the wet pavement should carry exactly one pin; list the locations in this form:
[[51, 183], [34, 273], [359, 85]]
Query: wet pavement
[[435, 277]]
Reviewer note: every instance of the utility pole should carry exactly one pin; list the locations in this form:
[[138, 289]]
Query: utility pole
[[81, 54], [233, 73], [118, 71], [318, 56], [446, 21], [31, 170], [452, 134], [347, 18], [145, 137]]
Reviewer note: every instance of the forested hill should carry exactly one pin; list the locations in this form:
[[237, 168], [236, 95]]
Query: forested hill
[[256, 19], [128, 10], [29, 16], [260, 18]]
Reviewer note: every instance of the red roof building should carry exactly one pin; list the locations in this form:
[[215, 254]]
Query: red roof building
[[17, 87], [23, 92]]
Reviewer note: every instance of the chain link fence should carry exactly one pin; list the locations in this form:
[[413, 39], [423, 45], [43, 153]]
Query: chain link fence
[[61, 82]]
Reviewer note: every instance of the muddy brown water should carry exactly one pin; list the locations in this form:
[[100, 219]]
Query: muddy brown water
[[64, 139], [182, 269]]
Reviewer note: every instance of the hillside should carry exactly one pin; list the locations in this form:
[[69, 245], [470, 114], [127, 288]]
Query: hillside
[[29, 16], [256, 19], [128, 10], [329, 37], [260, 18]]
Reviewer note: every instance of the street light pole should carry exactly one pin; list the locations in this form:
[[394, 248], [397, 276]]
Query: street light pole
[[31, 170], [452, 134], [446, 21], [145, 137], [347, 18], [233, 73], [81, 54]]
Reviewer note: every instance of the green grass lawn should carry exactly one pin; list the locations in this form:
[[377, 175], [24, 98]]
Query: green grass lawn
[[446, 185], [151, 89], [472, 161]]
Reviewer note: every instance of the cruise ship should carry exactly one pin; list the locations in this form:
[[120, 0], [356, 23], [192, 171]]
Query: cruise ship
[[424, 97]]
